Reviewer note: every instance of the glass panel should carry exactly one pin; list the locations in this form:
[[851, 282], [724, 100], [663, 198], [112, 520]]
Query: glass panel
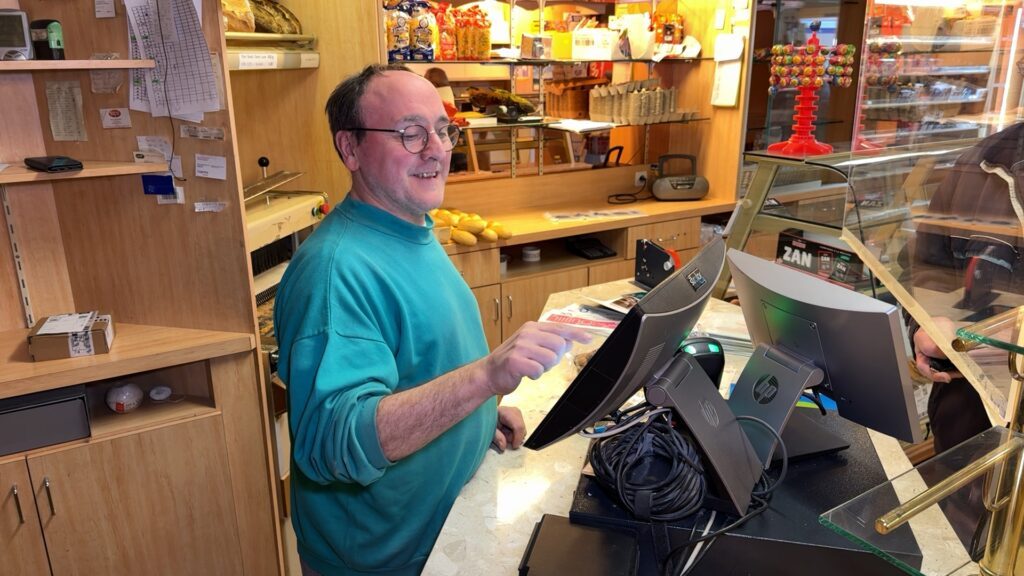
[[1001, 331], [944, 531], [934, 71], [942, 221]]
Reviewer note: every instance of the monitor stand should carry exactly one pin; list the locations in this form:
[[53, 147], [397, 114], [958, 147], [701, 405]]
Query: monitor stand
[[805, 438], [768, 389]]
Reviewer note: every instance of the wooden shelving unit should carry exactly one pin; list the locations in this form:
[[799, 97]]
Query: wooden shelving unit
[[43, 65], [106, 424], [136, 348], [90, 169], [176, 280]]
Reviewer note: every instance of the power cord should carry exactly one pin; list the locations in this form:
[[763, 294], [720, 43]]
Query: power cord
[[760, 497], [623, 463], [167, 98], [631, 197]]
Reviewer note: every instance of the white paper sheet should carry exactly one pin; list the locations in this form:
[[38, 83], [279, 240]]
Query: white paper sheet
[[182, 84], [64, 100], [214, 167]]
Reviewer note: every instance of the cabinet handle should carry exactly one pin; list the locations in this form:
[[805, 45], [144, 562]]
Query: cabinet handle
[[49, 495], [497, 310], [17, 503], [671, 238], [509, 307]]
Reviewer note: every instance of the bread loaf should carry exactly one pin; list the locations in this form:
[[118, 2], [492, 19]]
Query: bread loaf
[[238, 16], [274, 18]]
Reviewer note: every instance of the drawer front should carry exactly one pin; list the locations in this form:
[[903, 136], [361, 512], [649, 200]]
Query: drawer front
[[674, 234], [478, 268], [612, 271]]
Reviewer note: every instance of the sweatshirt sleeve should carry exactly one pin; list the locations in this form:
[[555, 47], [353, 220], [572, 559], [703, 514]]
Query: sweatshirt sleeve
[[334, 384]]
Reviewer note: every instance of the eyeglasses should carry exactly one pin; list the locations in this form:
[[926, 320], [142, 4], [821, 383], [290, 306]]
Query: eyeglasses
[[415, 137]]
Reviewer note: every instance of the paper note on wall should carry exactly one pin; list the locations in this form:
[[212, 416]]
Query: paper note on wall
[[728, 70], [64, 100]]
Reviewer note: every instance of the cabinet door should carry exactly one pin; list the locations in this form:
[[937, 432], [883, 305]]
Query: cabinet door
[[523, 300], [156, 502], [611, 271], [21, 540], [488, 299]]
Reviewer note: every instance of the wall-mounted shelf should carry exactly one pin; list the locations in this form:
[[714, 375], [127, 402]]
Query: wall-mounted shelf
[[35, 65], [546, 62], [90, 169], [258, 51]]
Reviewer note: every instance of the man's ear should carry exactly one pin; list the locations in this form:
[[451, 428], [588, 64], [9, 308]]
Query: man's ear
[[345, 143]]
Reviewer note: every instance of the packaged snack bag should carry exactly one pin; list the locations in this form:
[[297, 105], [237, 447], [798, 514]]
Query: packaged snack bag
[[423, 33], [398, 35], [446, 48]]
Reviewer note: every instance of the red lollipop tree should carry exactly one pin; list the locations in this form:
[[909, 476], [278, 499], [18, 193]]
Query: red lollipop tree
[[808, 68]]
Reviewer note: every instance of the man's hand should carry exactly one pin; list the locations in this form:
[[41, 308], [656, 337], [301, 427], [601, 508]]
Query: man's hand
[[533, 350], [511, 429], [925, 349]]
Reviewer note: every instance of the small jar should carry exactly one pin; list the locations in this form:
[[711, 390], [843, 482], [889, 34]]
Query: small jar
[[531, 254], [503, 264]]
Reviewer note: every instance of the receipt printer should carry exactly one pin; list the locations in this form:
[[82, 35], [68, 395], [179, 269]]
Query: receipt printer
[[681, 187]]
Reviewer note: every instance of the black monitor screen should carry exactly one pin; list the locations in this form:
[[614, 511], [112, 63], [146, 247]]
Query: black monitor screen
[[857, 341], [640, 345]]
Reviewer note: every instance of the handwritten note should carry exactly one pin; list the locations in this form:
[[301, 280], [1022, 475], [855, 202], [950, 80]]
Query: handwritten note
[[64, 100]]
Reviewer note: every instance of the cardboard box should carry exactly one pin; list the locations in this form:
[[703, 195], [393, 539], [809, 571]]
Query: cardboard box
[[71, 335]]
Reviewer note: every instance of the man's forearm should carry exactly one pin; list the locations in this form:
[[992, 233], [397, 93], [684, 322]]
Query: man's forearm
[[409, 420]]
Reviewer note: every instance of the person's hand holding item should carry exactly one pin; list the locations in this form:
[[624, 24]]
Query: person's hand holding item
[[533, 350], [925, 350], [511, 429]]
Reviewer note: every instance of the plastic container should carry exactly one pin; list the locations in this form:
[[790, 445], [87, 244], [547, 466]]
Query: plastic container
[[503, 264], [531, 254]]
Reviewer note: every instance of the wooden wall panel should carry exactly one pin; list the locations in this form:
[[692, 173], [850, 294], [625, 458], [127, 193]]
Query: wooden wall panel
[[167, 265], [348, 38], [34, 215]]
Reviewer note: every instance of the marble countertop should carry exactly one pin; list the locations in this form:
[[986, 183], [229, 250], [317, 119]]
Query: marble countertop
[[490, 524]]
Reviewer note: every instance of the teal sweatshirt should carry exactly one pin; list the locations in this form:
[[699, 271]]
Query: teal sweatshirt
[[371, 305]]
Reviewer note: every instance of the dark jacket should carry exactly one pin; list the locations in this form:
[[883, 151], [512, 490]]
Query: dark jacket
[[986, 184]]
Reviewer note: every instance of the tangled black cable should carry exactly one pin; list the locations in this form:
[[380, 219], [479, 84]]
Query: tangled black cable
[[620, 462]]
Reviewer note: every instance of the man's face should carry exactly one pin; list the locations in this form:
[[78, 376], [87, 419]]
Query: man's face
[[384, 173]]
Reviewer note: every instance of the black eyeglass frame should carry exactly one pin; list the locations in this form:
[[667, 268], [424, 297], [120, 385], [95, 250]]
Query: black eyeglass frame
[[453, 137]]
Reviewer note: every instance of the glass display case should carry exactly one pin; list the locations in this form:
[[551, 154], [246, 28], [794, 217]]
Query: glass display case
[[937, 228], [935, 71]]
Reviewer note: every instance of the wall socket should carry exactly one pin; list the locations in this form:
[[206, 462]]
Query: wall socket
[[639, 178]]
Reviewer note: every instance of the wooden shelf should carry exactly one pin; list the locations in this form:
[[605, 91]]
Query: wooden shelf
[[23, 175], [35, 65], [105, 423], [137, 348]]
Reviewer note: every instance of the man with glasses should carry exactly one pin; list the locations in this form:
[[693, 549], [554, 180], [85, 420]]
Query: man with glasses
[[392, 394]]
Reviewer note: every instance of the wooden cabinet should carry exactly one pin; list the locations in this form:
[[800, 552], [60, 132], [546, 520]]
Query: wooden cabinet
[[21, 542], [172, 488], [154, 503], [609, 271], [488, 298], [674, 234], [523, 300]]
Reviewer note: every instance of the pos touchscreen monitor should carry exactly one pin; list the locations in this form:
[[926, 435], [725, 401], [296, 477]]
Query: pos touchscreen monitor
[[644, 342], [857, 342]]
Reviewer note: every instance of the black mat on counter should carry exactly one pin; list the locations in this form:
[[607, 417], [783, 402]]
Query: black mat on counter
[[785, 539]]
